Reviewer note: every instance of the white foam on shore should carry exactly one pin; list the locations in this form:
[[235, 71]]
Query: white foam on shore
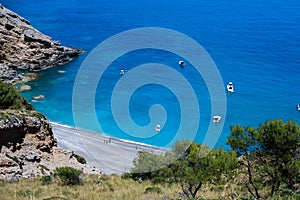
[[62, 125], [141, 144]]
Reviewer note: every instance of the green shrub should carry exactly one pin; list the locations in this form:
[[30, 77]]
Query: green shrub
[[80, 159], [46, 180], [127, 175], [69, 175], [11, 99], [153, 189]]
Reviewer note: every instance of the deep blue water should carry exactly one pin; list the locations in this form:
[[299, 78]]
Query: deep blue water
[[255, 44]]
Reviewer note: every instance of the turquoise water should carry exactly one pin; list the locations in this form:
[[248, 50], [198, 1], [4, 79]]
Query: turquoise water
[[254, 44]]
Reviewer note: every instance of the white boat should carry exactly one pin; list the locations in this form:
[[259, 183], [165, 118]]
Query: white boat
[[39, 97], [61, 71], [298, 107], [230, 87], [216, 118], [181, 63], [122, 72], [157, 128]]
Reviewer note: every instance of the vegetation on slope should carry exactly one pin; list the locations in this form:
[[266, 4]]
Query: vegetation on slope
[[93, 187], [270, 158], [69, 175], [11, 99], [264, 163]]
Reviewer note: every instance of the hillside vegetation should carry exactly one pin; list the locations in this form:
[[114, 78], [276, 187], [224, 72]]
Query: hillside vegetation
[[93, 187], [263, 163], [11, 99]]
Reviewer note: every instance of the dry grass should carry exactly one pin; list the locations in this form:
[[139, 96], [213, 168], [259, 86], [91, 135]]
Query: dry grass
[[94, 187], [103, 187]]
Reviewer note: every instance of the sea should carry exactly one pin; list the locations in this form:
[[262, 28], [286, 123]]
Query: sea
[[254, 44]]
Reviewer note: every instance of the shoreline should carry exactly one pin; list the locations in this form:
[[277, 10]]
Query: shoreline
[[110, 155]]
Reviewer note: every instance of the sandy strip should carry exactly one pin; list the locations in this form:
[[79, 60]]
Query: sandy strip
[[111, 155]]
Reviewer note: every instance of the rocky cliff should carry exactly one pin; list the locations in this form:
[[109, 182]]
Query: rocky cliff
[[23, 47], [28, 147]]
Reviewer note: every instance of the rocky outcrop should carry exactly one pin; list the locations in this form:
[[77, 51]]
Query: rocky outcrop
[[10, 75], [28, 147], [23, 47]]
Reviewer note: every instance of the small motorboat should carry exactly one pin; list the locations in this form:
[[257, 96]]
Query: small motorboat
[[122, 72], [39, 97], [61, 71], [181, 63], [298, 106], [230, 87], [216, 118], [157, 128]]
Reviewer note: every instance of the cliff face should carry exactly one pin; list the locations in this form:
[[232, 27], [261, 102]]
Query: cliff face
[[28, 147], [23, 47]]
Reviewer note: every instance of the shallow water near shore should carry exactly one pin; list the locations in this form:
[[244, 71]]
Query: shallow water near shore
[[254, 44]]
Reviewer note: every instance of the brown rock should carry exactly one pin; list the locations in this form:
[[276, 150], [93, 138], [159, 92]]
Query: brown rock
[[23, 47], [28, 147], [24, 88]]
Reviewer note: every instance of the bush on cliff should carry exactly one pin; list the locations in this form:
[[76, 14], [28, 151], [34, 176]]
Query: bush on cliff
[[69, 175], [11, 99], [80, 159]]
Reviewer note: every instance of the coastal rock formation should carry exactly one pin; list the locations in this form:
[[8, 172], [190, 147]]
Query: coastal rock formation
[[28, 147], [23, 47]]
